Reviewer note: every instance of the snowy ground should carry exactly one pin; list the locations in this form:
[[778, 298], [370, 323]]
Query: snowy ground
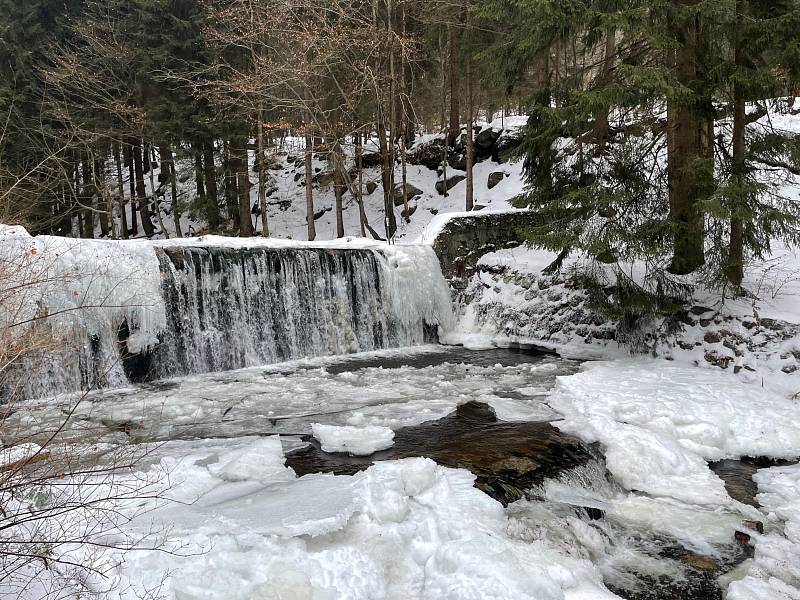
[[286, 205]]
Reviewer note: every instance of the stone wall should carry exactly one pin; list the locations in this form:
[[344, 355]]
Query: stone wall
[[465, 239]]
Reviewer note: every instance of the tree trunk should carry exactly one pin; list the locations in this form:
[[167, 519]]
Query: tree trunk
[[128, 155], [735, 266], [601, 126], [105, 204], [141, 190], [212, 195], [87, 198], [123, 217], [390, 222], [262, 175], [454, 129], [362, 215], [151, 154], [470, 142], [339, 186], [231, 192], [199, 179], [309, 151], [168, 165], [238, 160], [686, 156]]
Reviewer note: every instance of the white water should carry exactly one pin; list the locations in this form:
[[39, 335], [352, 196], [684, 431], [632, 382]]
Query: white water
[[135, 311]]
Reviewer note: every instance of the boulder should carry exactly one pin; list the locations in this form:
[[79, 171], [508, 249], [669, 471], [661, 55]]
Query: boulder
[[495, 178], [451, 182], [428, 155], [371, 186], [324, 178], [487, 138], [371, 159], [458, 162], [411, 190], [412, 208], [504, 148]]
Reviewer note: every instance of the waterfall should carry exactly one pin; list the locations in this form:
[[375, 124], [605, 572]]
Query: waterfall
[[138, 311]]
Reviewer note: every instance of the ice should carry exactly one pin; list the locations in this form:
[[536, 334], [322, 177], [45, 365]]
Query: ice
[[212, 303], [774, 573], [661, 422], [401, 529], [358, 441]]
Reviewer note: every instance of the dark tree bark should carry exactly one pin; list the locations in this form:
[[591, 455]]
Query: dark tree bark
[[238, 160], [339, 185], [141, 190], [87, 198], [308, 154], [128, 155], [168, 169], [454, 128], [362, 215], [470, 183], [686, 155], [212, 195], [123, 217], [735, 266]]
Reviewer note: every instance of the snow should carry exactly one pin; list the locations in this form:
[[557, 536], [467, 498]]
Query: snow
[[359, 441], [402, 529], [661, 422], [774, 574]]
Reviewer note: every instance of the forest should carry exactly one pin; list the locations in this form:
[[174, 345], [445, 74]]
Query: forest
[[637, 146]]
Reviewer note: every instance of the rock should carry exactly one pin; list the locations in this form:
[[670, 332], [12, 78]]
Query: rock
[[700, 310], [712, 337], [429, 155], [411, 191], [412, 208], [323, 179], [371, 159], [320, 213], [451, 182], [478, 207], [459, 163], [487, 138], [371, 186], [298, 176], [495, 178], [505, 147]]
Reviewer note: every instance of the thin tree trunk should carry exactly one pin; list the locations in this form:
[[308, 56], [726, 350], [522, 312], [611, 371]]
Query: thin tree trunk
[[406, 212], [141, 190], [123, 218], [308, 154], [128, 155], [470, 142], [262, 176], [231, 193], [151, 153], [107, 213], [168, 162], [454, 129], [87, 199], [735, 266], [212, 195], [199, 179], [362, 215], [239, 166], [339, 186], [601, 126]]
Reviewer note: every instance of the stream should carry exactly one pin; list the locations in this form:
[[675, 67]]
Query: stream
[[484, 411]]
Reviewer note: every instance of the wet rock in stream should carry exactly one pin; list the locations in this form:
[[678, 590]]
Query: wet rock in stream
[[506, 458]]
